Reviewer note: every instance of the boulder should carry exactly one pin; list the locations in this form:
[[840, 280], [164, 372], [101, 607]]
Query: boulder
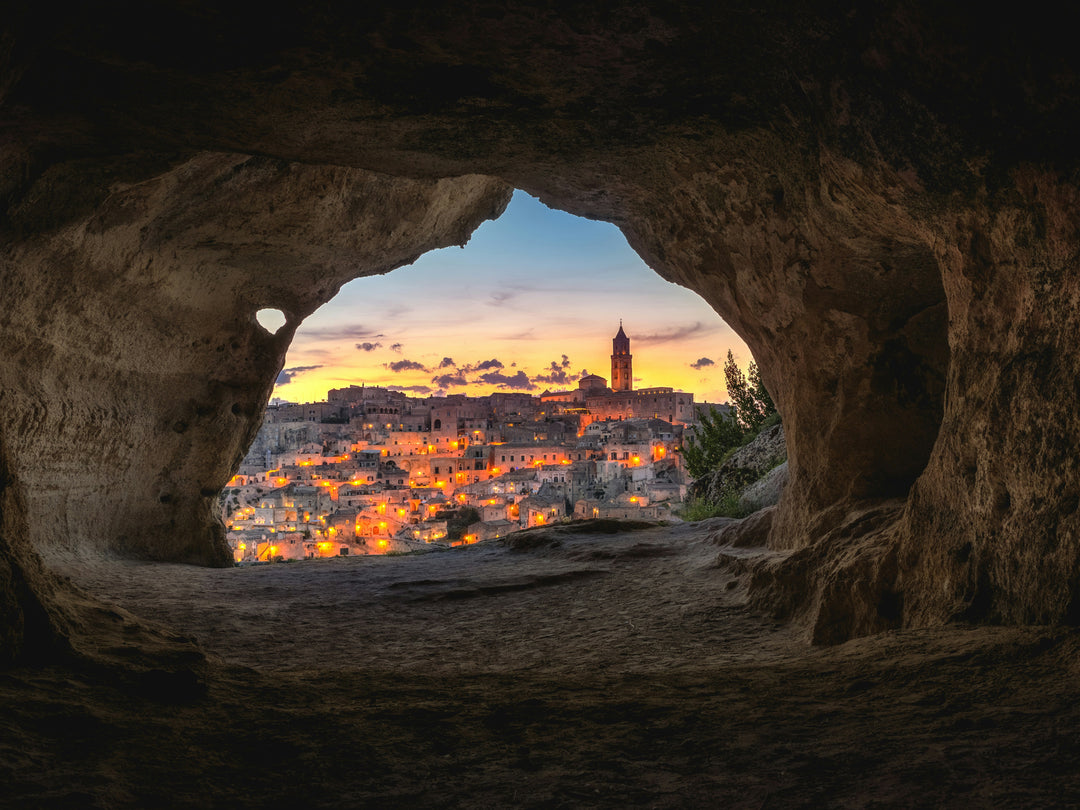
[[745, 468]]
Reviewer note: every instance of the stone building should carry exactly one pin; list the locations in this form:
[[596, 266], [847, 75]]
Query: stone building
[[593, 401], [622, 373]]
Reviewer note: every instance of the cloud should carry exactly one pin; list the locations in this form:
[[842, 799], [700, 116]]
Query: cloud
[[419, 389], [557, 373], [559, 377], [353, 332], [519, 381], [483, 365], [286, 375], [395, 347], [702, 363], [679, 333], [399, 366], [501, 297], [368, 347], [447, 362], [448, 380]]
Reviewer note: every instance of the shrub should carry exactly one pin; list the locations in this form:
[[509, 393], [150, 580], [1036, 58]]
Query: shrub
[[701, 509], [715, 437]]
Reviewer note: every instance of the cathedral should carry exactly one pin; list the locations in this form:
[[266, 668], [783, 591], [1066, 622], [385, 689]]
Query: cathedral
[[596, 402], [622, 375]]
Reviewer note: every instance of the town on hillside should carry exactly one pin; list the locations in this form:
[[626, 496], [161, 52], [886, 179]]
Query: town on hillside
[[373, 471]]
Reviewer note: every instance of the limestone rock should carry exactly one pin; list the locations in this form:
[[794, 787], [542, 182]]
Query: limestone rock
[[882, 200], [766, 491], [744, 468]]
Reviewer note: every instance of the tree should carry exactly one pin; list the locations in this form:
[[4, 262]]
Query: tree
[[751, 403], [456, 525], [716, 435], [761, 393]]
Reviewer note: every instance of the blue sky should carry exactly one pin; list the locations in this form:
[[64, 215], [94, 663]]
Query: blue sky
[[530, 303]]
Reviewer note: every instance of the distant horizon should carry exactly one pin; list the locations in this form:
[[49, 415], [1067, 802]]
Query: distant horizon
[[276, 400], [532, 302]]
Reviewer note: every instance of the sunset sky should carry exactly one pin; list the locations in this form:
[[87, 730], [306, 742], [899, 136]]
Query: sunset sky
[[531, 303]]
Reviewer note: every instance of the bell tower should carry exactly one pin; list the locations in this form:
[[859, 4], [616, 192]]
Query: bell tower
[[622, 375]]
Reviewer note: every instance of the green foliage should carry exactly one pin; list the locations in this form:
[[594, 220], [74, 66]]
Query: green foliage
[[701, 509], [716, 436], [456, 526], [751, 402], [761, 394]]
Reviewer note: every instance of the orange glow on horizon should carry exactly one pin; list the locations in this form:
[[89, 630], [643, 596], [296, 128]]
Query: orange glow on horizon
[[648, 304]]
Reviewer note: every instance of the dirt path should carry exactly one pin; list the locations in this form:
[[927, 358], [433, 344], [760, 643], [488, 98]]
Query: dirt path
[[588, 670]]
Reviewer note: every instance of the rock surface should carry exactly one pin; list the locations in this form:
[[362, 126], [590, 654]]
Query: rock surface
[[881, 200], [766, 491], [608, 670], [745, 467]]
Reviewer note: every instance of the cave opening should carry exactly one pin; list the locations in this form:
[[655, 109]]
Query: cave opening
[[271, 320], [528, 306], [881, 201]]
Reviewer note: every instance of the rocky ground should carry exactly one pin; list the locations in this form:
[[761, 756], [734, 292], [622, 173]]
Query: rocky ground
[[571, 670]]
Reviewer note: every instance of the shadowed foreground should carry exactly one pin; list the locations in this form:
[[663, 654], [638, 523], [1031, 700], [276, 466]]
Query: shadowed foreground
[[581, 670]]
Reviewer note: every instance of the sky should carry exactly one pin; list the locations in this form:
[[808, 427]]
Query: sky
[[530, 304]]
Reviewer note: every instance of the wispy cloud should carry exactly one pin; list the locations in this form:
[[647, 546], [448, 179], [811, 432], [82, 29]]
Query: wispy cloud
[[447, 362], [501, 297], [287, 374], [679, 333], [396, 347], [348, 332], [701, 363], [368, 347]]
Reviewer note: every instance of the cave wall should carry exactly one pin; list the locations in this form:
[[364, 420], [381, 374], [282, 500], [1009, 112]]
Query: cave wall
[[991, 531], [135, 374], [879, 198]]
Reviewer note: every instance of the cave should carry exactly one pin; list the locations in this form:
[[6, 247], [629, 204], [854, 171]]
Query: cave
[[881, 200]]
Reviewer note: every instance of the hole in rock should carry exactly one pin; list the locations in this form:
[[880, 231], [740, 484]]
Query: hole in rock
[[541, 373], [270, 319]]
